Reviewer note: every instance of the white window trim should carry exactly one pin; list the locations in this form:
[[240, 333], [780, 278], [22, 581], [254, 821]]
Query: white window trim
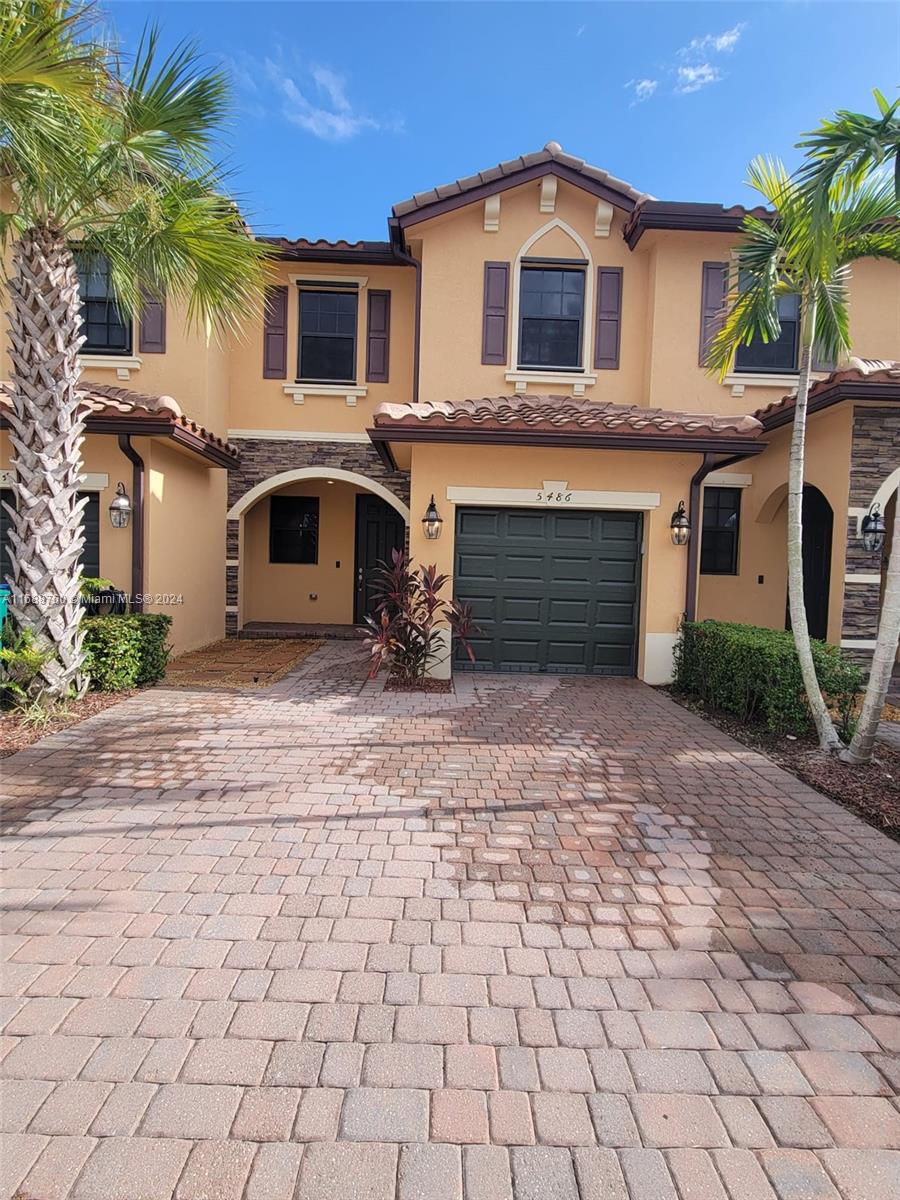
[[579, 374], [122, 364], [727, 479], [312, 283]]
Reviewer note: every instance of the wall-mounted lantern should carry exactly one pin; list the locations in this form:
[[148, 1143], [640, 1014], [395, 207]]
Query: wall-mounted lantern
[[121, 508], [873, 530], [432, 522], [680, 526]]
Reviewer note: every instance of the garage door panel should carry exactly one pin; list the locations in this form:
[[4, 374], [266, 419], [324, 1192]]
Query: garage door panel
[[551, 591]]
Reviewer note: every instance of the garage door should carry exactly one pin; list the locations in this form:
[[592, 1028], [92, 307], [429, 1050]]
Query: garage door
[[550, 590]]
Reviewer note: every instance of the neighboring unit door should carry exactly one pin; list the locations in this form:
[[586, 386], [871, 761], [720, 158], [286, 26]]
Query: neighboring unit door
[[551, 590], [379, 530], [818, 525]]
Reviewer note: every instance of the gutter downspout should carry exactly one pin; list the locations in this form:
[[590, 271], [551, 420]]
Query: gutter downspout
[[708, 465], [137, 522]]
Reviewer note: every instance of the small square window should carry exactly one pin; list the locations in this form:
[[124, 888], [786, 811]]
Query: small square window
[[294, 529], [721, 527], [328, 336]]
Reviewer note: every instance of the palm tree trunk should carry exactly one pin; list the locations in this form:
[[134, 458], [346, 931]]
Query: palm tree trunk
[[46, 536], [828, 738], [861, 748]]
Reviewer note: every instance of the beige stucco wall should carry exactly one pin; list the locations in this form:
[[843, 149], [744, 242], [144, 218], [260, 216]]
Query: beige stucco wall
[[320, 593], [185, 541], [258, 403], [437, 467], [762, 546]]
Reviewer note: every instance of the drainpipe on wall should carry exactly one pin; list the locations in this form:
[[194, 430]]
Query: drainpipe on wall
[[137, 521]]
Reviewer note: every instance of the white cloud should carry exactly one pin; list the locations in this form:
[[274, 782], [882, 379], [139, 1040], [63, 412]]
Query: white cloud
[[693, 78], [580, 30], [714, 43], [643, 89]]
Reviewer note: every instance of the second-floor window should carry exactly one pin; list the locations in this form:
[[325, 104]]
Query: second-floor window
[[328, 336], [551, 317], [108, 331], [781, 354]]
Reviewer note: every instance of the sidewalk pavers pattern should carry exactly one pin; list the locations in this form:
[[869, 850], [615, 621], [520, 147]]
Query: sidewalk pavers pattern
[[539, 939]]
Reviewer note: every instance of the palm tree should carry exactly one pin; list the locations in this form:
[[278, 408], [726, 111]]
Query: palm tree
[[113, 160], [797, 253], [850, 147]]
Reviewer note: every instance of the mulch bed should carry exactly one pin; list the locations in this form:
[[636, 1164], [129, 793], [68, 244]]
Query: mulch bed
[[419, 685], [17, 732], [872, 791], [239, 663]]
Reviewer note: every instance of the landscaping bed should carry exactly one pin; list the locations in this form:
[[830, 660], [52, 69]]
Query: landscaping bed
[[872, 791], [17, 731], [236, 663]]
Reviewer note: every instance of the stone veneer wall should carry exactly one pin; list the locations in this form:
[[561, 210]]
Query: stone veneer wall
[[261, 459], [875, 453]]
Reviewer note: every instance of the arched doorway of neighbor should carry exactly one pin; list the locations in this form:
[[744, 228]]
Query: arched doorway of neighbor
[[306, 543], [818, 529]]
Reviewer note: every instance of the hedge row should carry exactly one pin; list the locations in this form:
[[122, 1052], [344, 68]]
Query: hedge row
[[755, 674], [125, 651]]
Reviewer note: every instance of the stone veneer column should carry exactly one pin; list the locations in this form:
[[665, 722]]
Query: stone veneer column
[[264, 458], [874, 454]]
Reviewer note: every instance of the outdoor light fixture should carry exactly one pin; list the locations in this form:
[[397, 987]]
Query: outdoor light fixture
[[121, 508], [432, 522], [872, 530], [680, 526]]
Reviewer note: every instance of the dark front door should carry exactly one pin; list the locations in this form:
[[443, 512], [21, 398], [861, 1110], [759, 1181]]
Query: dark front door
[[379, 530], [818, 525], [551, 590]]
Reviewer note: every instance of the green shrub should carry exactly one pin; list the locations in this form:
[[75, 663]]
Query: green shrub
[[125, 651], [20, 664], [755, 674]]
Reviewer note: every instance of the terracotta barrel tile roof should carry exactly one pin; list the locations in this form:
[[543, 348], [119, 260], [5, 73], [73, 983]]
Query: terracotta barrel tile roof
[[869, 372], [564, 415], [103, 403], [552, 152]]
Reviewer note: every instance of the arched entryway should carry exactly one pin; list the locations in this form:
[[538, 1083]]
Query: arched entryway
[[303, 545], [818, 529]]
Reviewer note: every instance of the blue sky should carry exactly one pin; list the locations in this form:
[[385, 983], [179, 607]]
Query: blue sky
[[343, 109]]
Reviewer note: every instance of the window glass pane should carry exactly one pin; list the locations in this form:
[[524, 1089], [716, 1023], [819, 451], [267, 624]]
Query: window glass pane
[[778, 355], [294, 529], [551, 307], [328, 335], [721, 527], [105, 328]]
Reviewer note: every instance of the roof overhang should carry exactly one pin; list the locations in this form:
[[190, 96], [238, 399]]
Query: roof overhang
[[696, 218], [835, 395], [515, 179], [183, 437], [369, 253]]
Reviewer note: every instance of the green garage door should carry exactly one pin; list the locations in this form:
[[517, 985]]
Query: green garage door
[[550, 590]]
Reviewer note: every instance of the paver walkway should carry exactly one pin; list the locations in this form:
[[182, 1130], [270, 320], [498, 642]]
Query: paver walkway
[[545, 938]]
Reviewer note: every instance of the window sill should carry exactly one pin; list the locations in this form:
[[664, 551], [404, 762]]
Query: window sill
[[350, 391], [786, 381], [576, 380], [122, 364]]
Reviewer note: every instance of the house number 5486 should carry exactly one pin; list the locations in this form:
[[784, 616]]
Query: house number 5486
[[554, 497]]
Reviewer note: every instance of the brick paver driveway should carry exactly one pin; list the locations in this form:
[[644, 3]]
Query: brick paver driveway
[[543, 939]]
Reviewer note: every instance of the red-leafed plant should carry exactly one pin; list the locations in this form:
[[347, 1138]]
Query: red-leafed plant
[[403, 636]]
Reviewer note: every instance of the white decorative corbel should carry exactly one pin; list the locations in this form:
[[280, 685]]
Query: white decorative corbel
[[548, 193], [492, 214], [603, 219]]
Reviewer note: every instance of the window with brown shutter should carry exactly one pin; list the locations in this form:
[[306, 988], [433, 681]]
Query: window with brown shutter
[[275, 334], [609, 318], [495, 313], [712, 304], [378, 337], [152, 325]]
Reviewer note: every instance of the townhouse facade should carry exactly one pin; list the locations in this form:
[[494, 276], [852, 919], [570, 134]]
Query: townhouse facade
[[521, 360]]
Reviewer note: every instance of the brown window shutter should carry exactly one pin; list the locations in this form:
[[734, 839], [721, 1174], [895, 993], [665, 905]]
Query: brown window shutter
[[712, 304], [378, 341], [275, 334], [152, 325], [609, 318], [496, 307]]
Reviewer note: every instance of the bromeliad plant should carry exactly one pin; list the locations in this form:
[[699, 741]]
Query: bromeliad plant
[[406, 634]]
